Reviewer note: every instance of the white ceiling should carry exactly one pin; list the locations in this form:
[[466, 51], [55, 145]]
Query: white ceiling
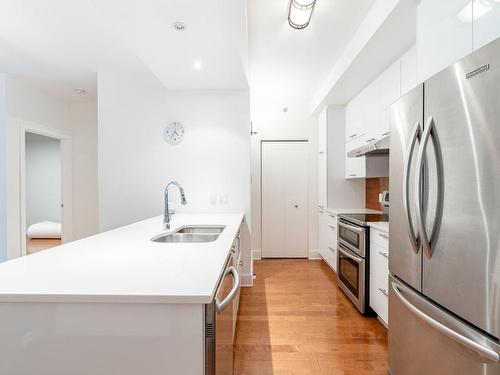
[[71, 40], [294, 62]]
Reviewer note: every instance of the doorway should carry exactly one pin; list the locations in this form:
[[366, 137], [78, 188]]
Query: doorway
[[285, 194], [42, 192]]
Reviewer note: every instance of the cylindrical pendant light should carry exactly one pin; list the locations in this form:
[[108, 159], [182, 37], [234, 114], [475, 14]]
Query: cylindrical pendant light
[[299, 13]]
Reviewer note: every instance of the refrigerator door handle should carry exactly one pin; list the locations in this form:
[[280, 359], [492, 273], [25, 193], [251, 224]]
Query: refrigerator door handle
[[483, 351], [429, 132], [415, 136]]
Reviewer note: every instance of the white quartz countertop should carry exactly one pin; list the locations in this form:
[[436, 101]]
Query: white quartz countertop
[[351, 210], [124, 266], [380, 225]]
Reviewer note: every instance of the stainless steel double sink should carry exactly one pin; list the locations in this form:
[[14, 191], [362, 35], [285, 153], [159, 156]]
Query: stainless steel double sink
[[191, 234]]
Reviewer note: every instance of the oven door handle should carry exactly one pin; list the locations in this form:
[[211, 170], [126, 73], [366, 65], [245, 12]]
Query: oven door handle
[[353, 228], [353, 257], [221, 305]]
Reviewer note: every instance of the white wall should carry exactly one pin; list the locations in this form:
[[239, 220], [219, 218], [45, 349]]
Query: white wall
[[43, 179], [3, 212], [135, 162], [83, 119], [42, 105]]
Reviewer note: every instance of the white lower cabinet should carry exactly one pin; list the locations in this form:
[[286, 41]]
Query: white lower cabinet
[[328, 238], [379, 274]]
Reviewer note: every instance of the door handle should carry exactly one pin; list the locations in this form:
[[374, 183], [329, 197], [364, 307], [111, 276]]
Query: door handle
[[415, 135], [429, 132], [352, 228], [383, 291], [482, 350], [354, 258], [221, 305], [385, 255], [383, 235]]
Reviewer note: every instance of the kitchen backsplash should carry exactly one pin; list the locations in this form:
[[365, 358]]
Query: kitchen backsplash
[[375, 186]]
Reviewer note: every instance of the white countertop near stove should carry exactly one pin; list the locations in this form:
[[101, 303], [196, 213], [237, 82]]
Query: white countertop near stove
[[380, 225], [124, 266], [351, 210]]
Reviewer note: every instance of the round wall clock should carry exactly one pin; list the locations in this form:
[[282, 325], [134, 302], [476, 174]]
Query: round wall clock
[[174, 133]]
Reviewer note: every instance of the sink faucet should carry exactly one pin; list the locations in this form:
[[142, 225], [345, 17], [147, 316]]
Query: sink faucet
[[167, 216]]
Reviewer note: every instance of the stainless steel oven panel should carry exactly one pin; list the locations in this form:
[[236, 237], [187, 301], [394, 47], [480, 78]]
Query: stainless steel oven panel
[[359, 302], [360, 232]]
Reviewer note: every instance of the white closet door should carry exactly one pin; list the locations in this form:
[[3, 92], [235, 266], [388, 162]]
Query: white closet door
[[284, 199]]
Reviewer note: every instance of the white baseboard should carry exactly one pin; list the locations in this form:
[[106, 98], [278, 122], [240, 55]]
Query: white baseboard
[[246, 281], [257, 254], [315, 255]]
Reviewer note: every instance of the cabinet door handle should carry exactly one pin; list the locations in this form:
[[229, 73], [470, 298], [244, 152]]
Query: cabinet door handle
[[384, 254], [352, 135], [386, 133], [332, 227], [383, 235], [332, 216], [370, 140], [331, 248], [353, 174], [383, 291], [321, 152]]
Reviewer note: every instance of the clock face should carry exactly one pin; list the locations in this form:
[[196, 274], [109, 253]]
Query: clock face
[[174, 133]]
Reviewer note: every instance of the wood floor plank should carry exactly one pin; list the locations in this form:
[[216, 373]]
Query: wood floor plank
[[296, 321]]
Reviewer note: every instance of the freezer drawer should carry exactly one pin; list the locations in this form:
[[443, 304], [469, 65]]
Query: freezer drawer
[[424, 339]]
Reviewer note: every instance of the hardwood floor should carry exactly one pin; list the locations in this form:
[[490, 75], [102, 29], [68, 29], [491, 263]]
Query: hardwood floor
[[39, 244], [295, 320]]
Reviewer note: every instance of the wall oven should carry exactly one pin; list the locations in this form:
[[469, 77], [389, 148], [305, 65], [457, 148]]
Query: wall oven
[[351, 276], [352, 262]]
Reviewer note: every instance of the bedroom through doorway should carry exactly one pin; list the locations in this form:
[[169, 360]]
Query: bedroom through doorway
[[42, 192]]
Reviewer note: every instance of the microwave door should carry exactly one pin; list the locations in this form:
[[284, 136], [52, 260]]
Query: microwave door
[[461, 264], [406, 130]]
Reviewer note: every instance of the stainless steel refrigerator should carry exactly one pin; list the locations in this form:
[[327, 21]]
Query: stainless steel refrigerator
[[444, 294]]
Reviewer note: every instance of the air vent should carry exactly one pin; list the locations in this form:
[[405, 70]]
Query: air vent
[[209, 330]]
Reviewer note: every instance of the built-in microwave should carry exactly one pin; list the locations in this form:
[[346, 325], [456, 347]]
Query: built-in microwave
[[352, 237]]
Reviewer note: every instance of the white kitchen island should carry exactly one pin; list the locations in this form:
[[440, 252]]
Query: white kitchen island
[[113, 303]]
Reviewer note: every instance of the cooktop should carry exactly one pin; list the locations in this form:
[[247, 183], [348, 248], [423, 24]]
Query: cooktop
[[364, 219]]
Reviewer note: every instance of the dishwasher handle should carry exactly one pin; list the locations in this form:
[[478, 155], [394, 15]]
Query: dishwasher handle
[[221, 305]]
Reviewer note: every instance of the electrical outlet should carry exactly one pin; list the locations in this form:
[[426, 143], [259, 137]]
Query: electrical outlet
[[380, 198], [213, 199], [223, 199]]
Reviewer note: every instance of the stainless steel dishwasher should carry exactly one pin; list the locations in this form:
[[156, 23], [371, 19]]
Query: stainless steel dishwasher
[[219, 323]]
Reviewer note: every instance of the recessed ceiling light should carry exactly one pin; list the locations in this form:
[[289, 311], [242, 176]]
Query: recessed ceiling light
[[300, 12], [179, 26], [197, 65], [80, 91]]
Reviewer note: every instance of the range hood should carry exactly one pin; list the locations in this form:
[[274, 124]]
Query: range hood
[[376, 147]]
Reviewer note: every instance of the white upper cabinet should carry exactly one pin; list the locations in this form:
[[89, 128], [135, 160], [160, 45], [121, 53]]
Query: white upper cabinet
[[486, 22], [388, 91], [444, 34], [355, 167], [409, 77], [354, 118], [322, 158], [368, 118]]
